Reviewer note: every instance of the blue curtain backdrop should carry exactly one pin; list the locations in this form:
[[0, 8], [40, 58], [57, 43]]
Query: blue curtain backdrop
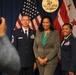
[[10, 10]]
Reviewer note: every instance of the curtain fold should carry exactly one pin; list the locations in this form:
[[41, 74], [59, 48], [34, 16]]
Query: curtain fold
[[10, 10]]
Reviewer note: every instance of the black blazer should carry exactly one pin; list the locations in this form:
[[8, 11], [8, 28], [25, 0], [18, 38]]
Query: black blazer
[[24, 46], [68, 54]]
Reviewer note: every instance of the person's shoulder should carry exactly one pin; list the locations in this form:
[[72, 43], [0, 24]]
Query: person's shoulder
[[38, 32], [72, 38], [18, 30], [32, 31], [56, 32], [15, 31]]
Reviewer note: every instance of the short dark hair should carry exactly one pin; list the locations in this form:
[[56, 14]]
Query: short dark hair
[[25, 15], [70, 26], [51, 26]]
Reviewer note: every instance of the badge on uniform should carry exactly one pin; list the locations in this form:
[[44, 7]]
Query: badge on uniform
[[20, 37], [67, 43], [32, 36]]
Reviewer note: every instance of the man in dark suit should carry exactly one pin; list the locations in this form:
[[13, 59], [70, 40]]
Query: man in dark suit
[[23, 39], [68, 51]]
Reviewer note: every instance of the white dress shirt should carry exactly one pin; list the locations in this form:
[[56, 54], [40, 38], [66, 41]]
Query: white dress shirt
[[25, 30]]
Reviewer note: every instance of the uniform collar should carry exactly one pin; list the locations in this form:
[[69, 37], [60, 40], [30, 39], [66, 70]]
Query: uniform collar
[[25, 29], [67, 36]]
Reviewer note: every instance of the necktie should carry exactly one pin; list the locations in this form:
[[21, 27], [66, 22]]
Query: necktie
[[25, 33]]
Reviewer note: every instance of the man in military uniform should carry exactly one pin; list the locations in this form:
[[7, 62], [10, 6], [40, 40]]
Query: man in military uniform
[[23, 39]]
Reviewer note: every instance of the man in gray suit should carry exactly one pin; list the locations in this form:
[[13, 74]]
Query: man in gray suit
[[9, 58]]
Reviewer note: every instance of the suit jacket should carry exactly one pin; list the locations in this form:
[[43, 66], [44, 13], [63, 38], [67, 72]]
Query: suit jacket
[[24, 46], [68, 54], [50, 50]]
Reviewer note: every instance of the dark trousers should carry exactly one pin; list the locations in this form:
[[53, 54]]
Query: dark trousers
[[65, 73], [26, 71], [36, 72], [58, 70]]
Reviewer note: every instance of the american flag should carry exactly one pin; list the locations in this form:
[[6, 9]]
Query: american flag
[[30, 9]]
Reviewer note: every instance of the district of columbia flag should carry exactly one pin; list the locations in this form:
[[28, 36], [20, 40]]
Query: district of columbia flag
[[66, 14]]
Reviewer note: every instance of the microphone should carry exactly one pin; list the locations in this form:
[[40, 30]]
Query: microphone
[[0, 20]]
